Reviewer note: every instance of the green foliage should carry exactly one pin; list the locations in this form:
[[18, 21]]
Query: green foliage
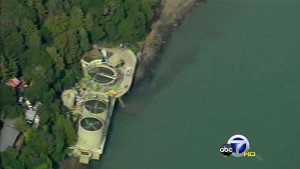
[[58, 60], [88, 21], [76, 19], [43, 41], [46, 116], [97, 33], [8, 68], [57, 24], [8, 108], [28, 27], [8, 159], [40, 8], [11, 111], [72, 51], [69, 80], [21, 125], [84, 40], [33, 40], [36, 91]]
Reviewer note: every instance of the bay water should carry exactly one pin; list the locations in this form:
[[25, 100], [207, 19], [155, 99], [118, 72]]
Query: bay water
[[232, 67]]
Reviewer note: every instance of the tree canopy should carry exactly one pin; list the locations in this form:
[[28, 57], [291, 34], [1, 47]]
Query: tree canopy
[[42, 41]]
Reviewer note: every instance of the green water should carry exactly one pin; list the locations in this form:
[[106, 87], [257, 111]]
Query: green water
[[233, 67]]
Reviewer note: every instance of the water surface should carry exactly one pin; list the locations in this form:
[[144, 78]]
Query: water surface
[[231, 68]]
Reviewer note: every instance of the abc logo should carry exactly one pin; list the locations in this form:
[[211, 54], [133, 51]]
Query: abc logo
[[239, 144], [226, 150]]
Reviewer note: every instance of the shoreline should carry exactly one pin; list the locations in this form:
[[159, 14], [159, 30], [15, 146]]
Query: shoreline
[[170, 15]]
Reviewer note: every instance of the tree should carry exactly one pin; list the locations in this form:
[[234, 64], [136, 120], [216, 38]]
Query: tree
[[7, 95], [42, 166], [28, 27], [58, 60], [46, 116], [8, 68], [76, 19], [36, 91], [69, 80], [84, 40], [88, 21], [8, 159], [69, 131], [13, 44], [33, 40], [11, 111], [72, 52], [97, 33], [21, 125], [43, 41], [41, 10], [147, 8], [57, 24]]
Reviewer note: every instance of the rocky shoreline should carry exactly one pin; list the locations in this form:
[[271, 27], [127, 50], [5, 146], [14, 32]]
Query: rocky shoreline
[[170, 14]]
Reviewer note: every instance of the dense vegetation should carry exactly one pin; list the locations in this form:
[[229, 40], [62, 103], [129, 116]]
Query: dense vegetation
[[42, 42]]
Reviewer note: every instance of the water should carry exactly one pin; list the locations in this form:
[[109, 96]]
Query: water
[[231, 68]]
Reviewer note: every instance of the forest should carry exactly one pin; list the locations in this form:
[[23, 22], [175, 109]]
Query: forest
[[41, 43]]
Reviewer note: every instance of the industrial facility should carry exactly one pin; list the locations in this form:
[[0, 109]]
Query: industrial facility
[[106, 77]]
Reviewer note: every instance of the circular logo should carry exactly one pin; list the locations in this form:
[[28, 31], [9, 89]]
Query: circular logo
[[239, 144], [226, 150]]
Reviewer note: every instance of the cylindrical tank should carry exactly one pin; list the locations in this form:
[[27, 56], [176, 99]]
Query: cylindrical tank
[[68, 98], [102, 74], [95, 108], [90, 133]]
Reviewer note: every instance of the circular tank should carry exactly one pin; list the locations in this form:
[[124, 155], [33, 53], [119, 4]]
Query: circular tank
[[102, 74], [90, 133], [96, 108]]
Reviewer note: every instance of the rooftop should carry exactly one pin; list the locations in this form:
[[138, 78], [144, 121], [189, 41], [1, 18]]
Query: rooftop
[[8, 134]]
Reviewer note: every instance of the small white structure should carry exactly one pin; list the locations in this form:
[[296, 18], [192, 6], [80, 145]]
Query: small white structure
[[68, 98], [128, 71], [30, 115], [104, 52]]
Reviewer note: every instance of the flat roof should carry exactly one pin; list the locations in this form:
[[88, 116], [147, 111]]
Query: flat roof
[[8, 134]]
